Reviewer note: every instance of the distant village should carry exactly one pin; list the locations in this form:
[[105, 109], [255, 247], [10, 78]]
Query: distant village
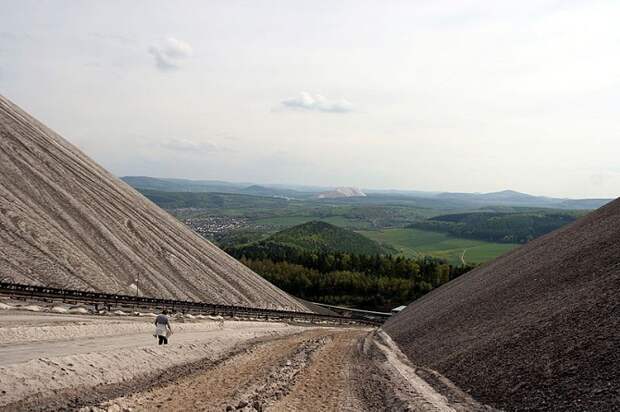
[[210, 225]]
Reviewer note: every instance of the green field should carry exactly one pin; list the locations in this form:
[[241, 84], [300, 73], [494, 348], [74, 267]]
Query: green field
[[417, 243]]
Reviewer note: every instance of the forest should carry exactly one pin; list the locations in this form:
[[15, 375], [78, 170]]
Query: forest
[[498, 227], [373, 282]]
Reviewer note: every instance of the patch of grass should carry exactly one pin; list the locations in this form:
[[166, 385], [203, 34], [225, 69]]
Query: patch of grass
[[413, 243], [488, 251]]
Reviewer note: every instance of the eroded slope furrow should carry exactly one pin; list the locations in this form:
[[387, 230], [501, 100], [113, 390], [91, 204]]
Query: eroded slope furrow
[[67, 222]]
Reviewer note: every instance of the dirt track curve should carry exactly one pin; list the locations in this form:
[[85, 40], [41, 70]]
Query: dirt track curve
[[281, 368]]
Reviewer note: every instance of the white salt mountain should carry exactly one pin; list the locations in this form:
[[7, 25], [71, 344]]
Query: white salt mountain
[[341, 192], [67, 222]]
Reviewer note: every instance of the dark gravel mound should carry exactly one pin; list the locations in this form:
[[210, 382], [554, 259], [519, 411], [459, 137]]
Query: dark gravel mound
[[537, 329], [67, 222]]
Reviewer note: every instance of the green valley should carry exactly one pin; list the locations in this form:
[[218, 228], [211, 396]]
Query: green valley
[[417, 243], [374, 252]]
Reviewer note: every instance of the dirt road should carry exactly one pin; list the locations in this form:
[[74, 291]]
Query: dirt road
[[463, 257], [50, 362], [317, 370]]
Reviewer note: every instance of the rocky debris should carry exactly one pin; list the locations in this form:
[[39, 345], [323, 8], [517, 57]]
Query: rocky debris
[[280, 379]]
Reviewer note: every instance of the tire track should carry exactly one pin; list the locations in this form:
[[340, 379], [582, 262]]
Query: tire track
[[251, 379], [318, 370]]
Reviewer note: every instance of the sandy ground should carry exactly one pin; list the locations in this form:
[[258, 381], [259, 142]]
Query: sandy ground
[[41, 355], [73, 362], [317, 370]]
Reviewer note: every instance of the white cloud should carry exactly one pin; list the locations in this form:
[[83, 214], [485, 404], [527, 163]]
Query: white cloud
[[170, 53], [317, 102], [189, 146]]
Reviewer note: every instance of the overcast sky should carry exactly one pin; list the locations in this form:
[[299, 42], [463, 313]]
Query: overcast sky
[[435, 95]]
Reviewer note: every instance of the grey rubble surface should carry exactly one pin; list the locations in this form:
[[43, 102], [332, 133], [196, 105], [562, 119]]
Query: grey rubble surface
[[67, 222], [536, 329]]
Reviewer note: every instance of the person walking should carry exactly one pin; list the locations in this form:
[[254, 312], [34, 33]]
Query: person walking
[[162, 327]]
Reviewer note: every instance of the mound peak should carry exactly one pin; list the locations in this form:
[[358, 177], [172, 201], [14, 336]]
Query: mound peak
[[67, 222], [341, 192]]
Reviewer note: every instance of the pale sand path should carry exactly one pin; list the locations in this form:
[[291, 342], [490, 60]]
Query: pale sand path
[[118, 352], [244, 365], [19, 353]]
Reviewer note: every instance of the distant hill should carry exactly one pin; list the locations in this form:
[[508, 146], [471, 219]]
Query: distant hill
[[212, 186], [67, 222], [504, 196], [435, 200], [212, 200], [182, 185], [341, 192], [324, 237], [519, 227], [513, 198], [537, 329], [582, 204], [316, 237], [259, 190]]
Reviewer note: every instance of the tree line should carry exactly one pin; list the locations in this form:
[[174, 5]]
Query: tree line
[[374, 282], [498, 227]]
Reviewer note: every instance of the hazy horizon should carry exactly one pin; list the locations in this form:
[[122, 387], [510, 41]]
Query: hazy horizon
[[474, 96], [329, 187]]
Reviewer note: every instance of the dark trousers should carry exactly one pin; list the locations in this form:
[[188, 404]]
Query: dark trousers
[[162, 339]]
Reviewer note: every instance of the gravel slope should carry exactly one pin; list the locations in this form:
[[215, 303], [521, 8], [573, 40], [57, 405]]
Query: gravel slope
[[537, 329], [67, 222]]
